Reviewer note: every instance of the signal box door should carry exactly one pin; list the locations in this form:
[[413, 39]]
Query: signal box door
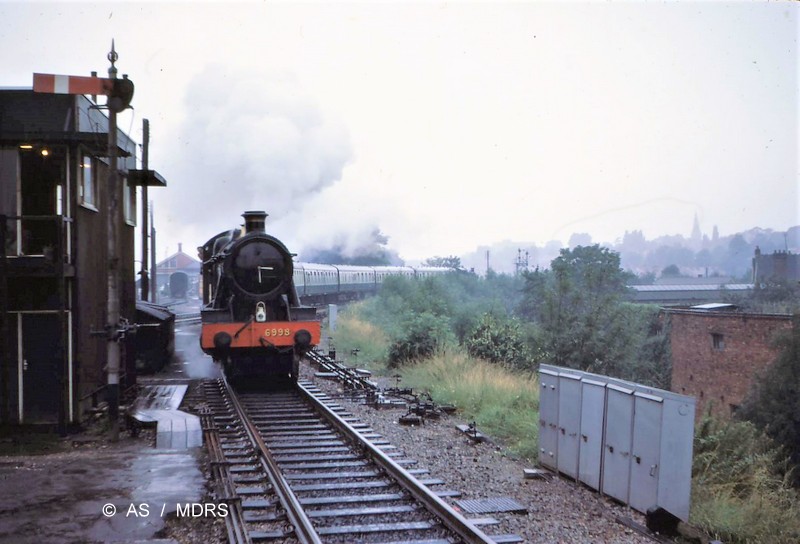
[[40, 368]]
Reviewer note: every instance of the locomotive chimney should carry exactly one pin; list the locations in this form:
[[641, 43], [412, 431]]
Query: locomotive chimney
[[254, 221]]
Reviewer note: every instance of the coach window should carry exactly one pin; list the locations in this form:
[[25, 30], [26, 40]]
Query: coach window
[[88, 186]]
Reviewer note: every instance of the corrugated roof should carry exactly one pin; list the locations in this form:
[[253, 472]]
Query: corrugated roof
[[713, 287]]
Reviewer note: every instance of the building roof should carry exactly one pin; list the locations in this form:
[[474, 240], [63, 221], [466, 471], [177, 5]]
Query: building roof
[[179, 261], [684, 287], [714, 306]]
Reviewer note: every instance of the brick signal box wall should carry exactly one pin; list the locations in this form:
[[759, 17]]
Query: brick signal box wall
[[717, 355]]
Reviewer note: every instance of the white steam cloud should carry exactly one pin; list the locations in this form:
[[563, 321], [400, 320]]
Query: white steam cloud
[[250, 140]]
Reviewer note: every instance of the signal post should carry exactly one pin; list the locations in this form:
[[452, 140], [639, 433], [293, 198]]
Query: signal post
[[119, 93]]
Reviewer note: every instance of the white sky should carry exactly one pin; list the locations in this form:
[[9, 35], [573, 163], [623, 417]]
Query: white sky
[[446, 125]]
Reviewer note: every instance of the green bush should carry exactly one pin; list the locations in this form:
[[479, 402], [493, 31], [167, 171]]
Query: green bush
[[424, 335], [499, 341], [773, 403]]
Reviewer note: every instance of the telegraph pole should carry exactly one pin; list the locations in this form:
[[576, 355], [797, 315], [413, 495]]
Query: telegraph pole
[[145, 281], [154, 283]]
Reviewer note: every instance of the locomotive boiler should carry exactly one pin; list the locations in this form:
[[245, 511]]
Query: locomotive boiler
[[252, 319]]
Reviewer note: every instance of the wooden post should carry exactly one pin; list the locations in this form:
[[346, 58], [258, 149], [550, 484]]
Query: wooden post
[[5, 385], [145, 281]]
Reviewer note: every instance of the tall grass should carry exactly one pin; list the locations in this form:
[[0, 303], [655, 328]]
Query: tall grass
[[740, 490], [355, 332], [503, 403]]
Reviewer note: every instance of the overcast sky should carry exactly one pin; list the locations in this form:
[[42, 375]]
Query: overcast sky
[[446, 125]]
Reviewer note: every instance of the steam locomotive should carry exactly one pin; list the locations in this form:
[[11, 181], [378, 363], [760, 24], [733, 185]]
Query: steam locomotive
[[252, 319]]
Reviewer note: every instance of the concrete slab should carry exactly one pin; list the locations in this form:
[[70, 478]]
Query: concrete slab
[[68, 497], [158, 404]]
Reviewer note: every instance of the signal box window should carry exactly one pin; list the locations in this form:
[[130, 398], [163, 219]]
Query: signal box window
[[129, 201], [717, 341], [88, 185]]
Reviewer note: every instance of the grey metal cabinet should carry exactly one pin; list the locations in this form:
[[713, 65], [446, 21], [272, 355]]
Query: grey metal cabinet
[[569, 422], [646, 451], [593, 407], [548, 418], [677, 441], [630, 441], [617, 442]]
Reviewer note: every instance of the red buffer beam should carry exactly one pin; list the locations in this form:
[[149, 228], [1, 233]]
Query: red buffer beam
[[52, 83]]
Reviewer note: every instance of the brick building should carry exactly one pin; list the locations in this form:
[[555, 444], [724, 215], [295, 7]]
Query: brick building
[[717, 353], [177, 262]]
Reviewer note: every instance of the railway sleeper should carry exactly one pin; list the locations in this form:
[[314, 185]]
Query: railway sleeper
[[345, 499], [333, 475], [364, 511], [377, 528]]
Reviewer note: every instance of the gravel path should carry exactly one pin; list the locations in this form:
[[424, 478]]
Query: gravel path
[[558, 510]]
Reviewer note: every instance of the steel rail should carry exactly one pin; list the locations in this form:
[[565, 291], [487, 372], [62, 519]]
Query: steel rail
[[234, 521], [303, 529], [188, 318], [349, 377], [454, 521]]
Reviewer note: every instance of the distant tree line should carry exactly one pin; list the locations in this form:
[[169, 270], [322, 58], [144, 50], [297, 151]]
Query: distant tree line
[[574, 314], [699, 254]]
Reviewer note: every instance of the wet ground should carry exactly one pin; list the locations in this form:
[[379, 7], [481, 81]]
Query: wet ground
[[96, 491], [108, 493]]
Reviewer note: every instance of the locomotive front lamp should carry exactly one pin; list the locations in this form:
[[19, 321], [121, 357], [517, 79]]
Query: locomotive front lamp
[[261, 312]]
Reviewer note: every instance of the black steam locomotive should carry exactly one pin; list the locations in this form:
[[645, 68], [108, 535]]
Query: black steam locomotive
[[252, 320]]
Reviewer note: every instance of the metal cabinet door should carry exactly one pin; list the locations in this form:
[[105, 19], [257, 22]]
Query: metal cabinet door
[[569, 423], [675, 472], [548, 418], [617, 443], [645, 461], [593, 408]]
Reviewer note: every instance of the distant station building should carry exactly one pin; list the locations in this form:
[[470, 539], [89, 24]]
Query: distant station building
[[718, 351], [53, 264], [178, 262]]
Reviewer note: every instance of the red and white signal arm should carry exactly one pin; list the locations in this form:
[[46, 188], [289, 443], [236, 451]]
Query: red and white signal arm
[[52, 83]]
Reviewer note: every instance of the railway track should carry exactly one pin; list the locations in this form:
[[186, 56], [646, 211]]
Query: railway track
[[187, 318], [293, 466]]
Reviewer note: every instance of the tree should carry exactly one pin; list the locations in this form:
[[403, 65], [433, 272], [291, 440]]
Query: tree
[[578, 304], [445, 262], [671, 271], [773, 403]]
